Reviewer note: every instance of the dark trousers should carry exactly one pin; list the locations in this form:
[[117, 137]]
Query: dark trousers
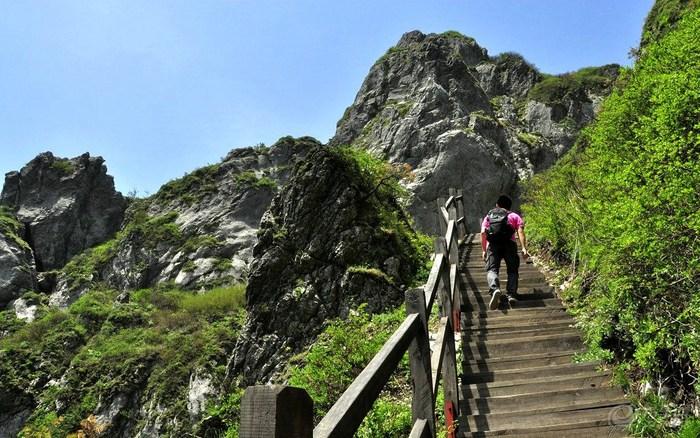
[[494, 254]]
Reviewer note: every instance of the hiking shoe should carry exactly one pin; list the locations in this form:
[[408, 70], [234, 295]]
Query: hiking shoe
[[495, 299], [510, 299]]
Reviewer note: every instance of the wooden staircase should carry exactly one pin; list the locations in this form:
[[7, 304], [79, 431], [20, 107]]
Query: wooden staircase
[[519, 378]]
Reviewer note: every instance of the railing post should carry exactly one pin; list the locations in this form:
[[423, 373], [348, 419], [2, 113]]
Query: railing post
[[442, 225], [423, 404], [276, 411], [460, 214], [444, 282], [450, 385]]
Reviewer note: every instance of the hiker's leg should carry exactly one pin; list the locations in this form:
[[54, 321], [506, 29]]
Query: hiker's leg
[[493, 264], [512, 266]]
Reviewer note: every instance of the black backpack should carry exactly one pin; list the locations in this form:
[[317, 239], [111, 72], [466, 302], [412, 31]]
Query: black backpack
[[499, 230]]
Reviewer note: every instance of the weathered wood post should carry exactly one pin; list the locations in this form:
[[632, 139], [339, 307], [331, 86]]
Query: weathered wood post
[[423, 404], [276, 411], [460, 214], [443, 278], [442, 223], [450, 385]]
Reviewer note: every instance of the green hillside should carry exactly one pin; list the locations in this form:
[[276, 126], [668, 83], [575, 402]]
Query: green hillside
[[621, 212]]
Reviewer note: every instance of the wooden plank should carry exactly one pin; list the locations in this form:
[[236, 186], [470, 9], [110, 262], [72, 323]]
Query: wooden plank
[[450, 383], [346, 415], [455, 297], [445, 214], [432, 286], [438, 353], [442, 222], [420, 429], [449, 202], [423, 401], [451, 241]]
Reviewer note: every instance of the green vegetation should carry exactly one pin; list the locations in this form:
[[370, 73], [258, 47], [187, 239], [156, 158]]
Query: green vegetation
[[337, 357], [553, 89], [11, 228], [372, 272], [663, 17], [64, 166], [528, 138], [191, 187], [511, 59], [149, 346], [387, 197], [248, 178], [621, 211], [457, 35]]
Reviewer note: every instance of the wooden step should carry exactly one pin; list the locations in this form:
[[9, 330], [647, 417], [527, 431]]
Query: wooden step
[[585, 379], [614, 431], [569, 340], [477, 323], [518, 362], [502, 424], [532, 314], [526, 374], [546, 401], [482, 304], [510, 332]]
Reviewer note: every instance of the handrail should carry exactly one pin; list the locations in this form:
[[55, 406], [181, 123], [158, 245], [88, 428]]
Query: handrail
[[428, 370], [347, 413]]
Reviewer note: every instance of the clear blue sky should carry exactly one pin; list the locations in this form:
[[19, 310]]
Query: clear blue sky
[[160, 87]]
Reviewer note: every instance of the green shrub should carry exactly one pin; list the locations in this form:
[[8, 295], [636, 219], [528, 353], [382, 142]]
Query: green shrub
[[65, 166], [341, 352], [389, 198], [553, 89], [100, 348], [690, 428], [193, 186], [11, 228], [248, 178], [621, 211]]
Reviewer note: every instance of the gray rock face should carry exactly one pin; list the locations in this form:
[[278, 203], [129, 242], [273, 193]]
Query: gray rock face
[[462, 119], [66, 205], [17, 272], [320, 226], [198, 230]]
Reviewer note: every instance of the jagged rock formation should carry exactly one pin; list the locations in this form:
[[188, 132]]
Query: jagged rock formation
[[442, 105], [197, 231], [66, 206], [17, 270], [323, 249]]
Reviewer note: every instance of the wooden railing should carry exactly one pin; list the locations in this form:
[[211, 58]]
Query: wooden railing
[[279, 411]]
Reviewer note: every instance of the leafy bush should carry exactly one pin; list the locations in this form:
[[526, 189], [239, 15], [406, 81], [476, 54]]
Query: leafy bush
[[622, 211], [382, 181], [339, 354]]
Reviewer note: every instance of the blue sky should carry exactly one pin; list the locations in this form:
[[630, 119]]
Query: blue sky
[[159, 88]]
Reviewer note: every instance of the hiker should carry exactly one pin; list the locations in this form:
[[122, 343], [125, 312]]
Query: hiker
[[498, 231]]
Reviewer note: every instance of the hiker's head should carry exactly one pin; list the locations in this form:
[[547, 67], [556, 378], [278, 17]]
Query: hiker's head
[[504, 202]]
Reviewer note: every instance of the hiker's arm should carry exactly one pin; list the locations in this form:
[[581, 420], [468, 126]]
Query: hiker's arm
[[483, 245], [523, 242]]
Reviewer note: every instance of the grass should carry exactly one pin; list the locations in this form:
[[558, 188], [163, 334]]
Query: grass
[[148, 346], [193, 186], [249, 178], [11, 228]]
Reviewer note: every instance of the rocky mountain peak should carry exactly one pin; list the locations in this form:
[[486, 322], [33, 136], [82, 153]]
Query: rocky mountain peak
[[460, 118], [65, 205]]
